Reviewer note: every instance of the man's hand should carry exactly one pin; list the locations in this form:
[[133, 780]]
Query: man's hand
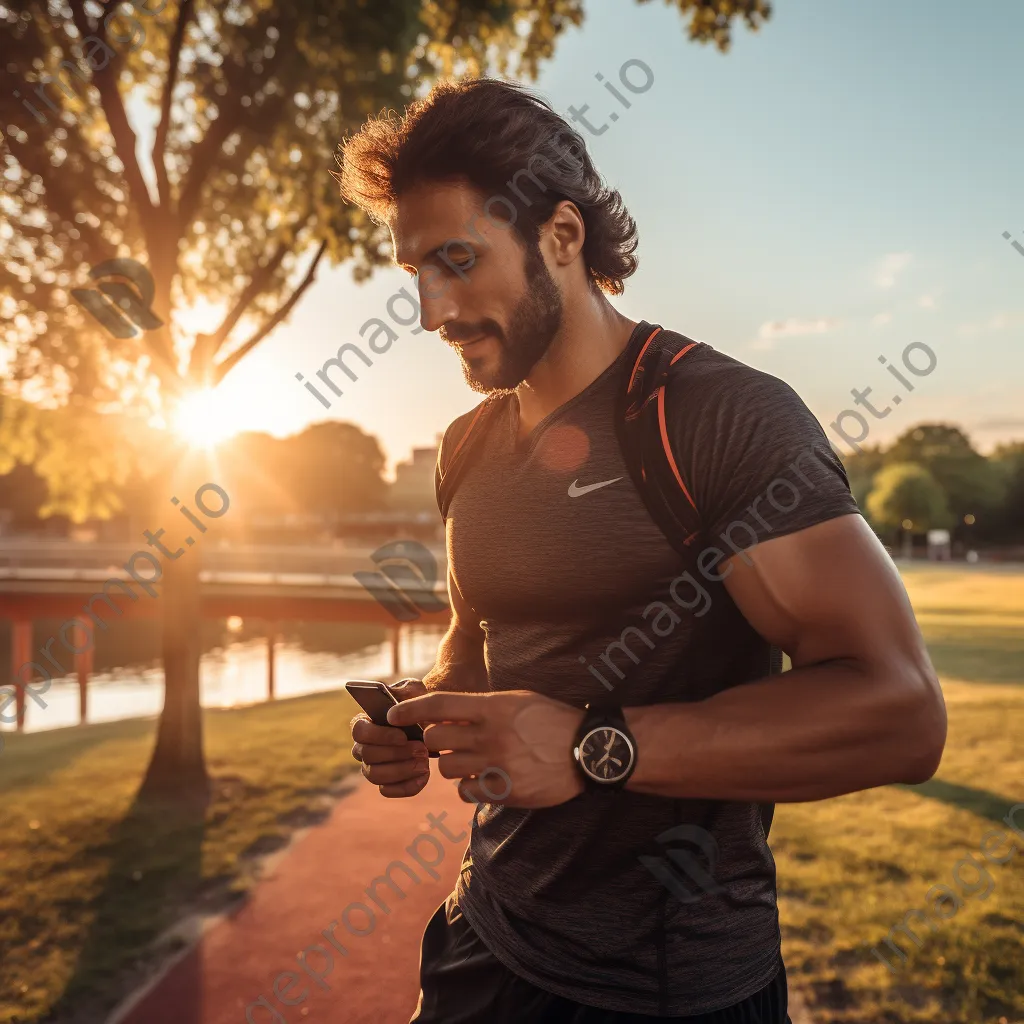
[[525, 734], [395, 764]]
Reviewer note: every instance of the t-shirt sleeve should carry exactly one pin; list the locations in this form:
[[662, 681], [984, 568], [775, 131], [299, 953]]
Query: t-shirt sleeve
[[754, 458]]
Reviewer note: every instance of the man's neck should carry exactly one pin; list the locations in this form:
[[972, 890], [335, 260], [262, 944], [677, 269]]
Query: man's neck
[[588, 342]]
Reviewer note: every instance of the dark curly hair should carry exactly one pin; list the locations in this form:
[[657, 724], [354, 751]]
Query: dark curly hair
[[493, 134]]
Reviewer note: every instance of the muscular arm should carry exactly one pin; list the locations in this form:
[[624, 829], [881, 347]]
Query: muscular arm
[[862, 706], [460, 655]]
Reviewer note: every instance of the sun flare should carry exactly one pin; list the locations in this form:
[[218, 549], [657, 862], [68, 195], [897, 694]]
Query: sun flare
[[203, 419]]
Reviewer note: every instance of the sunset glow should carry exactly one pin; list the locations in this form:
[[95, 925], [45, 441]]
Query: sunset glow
[[204, 419]]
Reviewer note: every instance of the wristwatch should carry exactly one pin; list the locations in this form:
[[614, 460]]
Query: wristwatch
[[604, 749]]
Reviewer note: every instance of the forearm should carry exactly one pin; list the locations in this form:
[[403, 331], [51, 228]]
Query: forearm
[[813, 733], [459, 665]]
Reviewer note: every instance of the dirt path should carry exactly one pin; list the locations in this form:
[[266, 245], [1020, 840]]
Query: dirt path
[[244, 968]]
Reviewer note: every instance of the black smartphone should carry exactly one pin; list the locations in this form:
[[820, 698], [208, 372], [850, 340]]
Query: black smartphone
[[375, 698]]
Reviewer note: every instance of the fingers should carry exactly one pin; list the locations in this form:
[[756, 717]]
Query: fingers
[[396, 772], [438, 707], [365, 732], [463, 738], [400, 789], [461, 766], [370, 753], [404, 689]]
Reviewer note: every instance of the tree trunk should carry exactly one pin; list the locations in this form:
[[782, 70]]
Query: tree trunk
[[177, 770]]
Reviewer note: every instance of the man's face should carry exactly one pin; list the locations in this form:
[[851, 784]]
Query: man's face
[[495, 303]]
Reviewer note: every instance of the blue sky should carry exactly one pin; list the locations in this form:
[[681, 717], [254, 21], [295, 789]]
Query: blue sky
[[831, 190]]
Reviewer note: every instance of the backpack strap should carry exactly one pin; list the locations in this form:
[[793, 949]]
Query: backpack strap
[[643, 434], [642, 429]]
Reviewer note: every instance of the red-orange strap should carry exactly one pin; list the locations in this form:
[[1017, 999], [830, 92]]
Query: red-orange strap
[[682, 352], [668, 447], [636, 365]]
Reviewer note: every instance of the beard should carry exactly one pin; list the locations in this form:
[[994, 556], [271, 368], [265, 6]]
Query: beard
[[532, 327]]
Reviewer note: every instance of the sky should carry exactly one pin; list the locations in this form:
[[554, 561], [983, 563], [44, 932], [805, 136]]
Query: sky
[[829, 192]]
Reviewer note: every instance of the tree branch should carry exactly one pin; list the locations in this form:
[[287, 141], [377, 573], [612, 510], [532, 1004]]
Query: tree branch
[[120, 127], [232, 117], [185, 13], [223, 368], [208, 345]]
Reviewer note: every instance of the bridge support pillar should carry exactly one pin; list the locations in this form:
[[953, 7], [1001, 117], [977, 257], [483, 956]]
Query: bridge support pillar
[[271, 641], [396, 640], [21, 655], [83, 667]]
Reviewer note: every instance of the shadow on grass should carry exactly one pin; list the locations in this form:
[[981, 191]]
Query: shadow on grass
[[979, 802], [155, 867], [35, 756], [999, 660]]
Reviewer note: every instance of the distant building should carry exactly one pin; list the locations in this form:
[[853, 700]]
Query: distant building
[[413, 489]]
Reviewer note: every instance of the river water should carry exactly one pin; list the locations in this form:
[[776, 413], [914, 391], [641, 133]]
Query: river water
[[128, 680]]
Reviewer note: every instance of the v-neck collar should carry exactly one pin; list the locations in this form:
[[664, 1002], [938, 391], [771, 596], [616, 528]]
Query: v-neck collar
[[529, 442]]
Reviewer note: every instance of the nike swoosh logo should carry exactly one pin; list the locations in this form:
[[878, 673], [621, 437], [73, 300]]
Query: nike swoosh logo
[[575, 491]]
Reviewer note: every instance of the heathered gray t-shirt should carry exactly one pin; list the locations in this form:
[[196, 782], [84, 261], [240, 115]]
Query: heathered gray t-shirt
[[574, 584]]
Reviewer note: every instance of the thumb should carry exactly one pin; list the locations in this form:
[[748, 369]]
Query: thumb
[[406, 688]]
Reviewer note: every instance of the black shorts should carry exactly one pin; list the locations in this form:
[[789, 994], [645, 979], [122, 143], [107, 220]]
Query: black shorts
[[462, 982]]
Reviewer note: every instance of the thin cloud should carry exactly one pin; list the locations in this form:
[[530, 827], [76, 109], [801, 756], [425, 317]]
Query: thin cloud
[[881, 319], [890, 267], [772, 330], [996, 322]]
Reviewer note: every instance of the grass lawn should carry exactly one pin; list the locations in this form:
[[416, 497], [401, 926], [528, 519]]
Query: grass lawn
[[851, 868], [88, 879]]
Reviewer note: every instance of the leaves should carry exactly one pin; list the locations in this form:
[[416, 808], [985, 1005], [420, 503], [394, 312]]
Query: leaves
[[906, 492], [250, 101]]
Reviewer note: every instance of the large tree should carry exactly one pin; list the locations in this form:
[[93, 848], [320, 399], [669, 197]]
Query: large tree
[[233, 202], [972, 485], [907, 499]]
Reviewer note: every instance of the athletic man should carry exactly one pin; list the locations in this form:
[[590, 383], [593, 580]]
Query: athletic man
[[565, 593]]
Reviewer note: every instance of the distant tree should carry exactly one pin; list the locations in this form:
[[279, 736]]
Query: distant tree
[[334, 468], [972, 485], [907, 499], [1008, 461], [861, 468], [327, 469]]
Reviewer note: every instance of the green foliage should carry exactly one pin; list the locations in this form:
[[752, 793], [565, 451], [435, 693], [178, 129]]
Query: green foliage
[[328, 469], [84, 456], [240, 206], [970, 482], [861, 468], [1008, 462], [906, 491]]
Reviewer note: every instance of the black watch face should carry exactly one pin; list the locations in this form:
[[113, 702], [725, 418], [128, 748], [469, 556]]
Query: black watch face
[[606, 754]]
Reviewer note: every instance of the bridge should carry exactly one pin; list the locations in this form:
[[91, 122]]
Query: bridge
[[83, 584]]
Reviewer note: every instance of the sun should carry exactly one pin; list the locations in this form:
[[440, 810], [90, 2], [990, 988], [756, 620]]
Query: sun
[[203, 419]]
